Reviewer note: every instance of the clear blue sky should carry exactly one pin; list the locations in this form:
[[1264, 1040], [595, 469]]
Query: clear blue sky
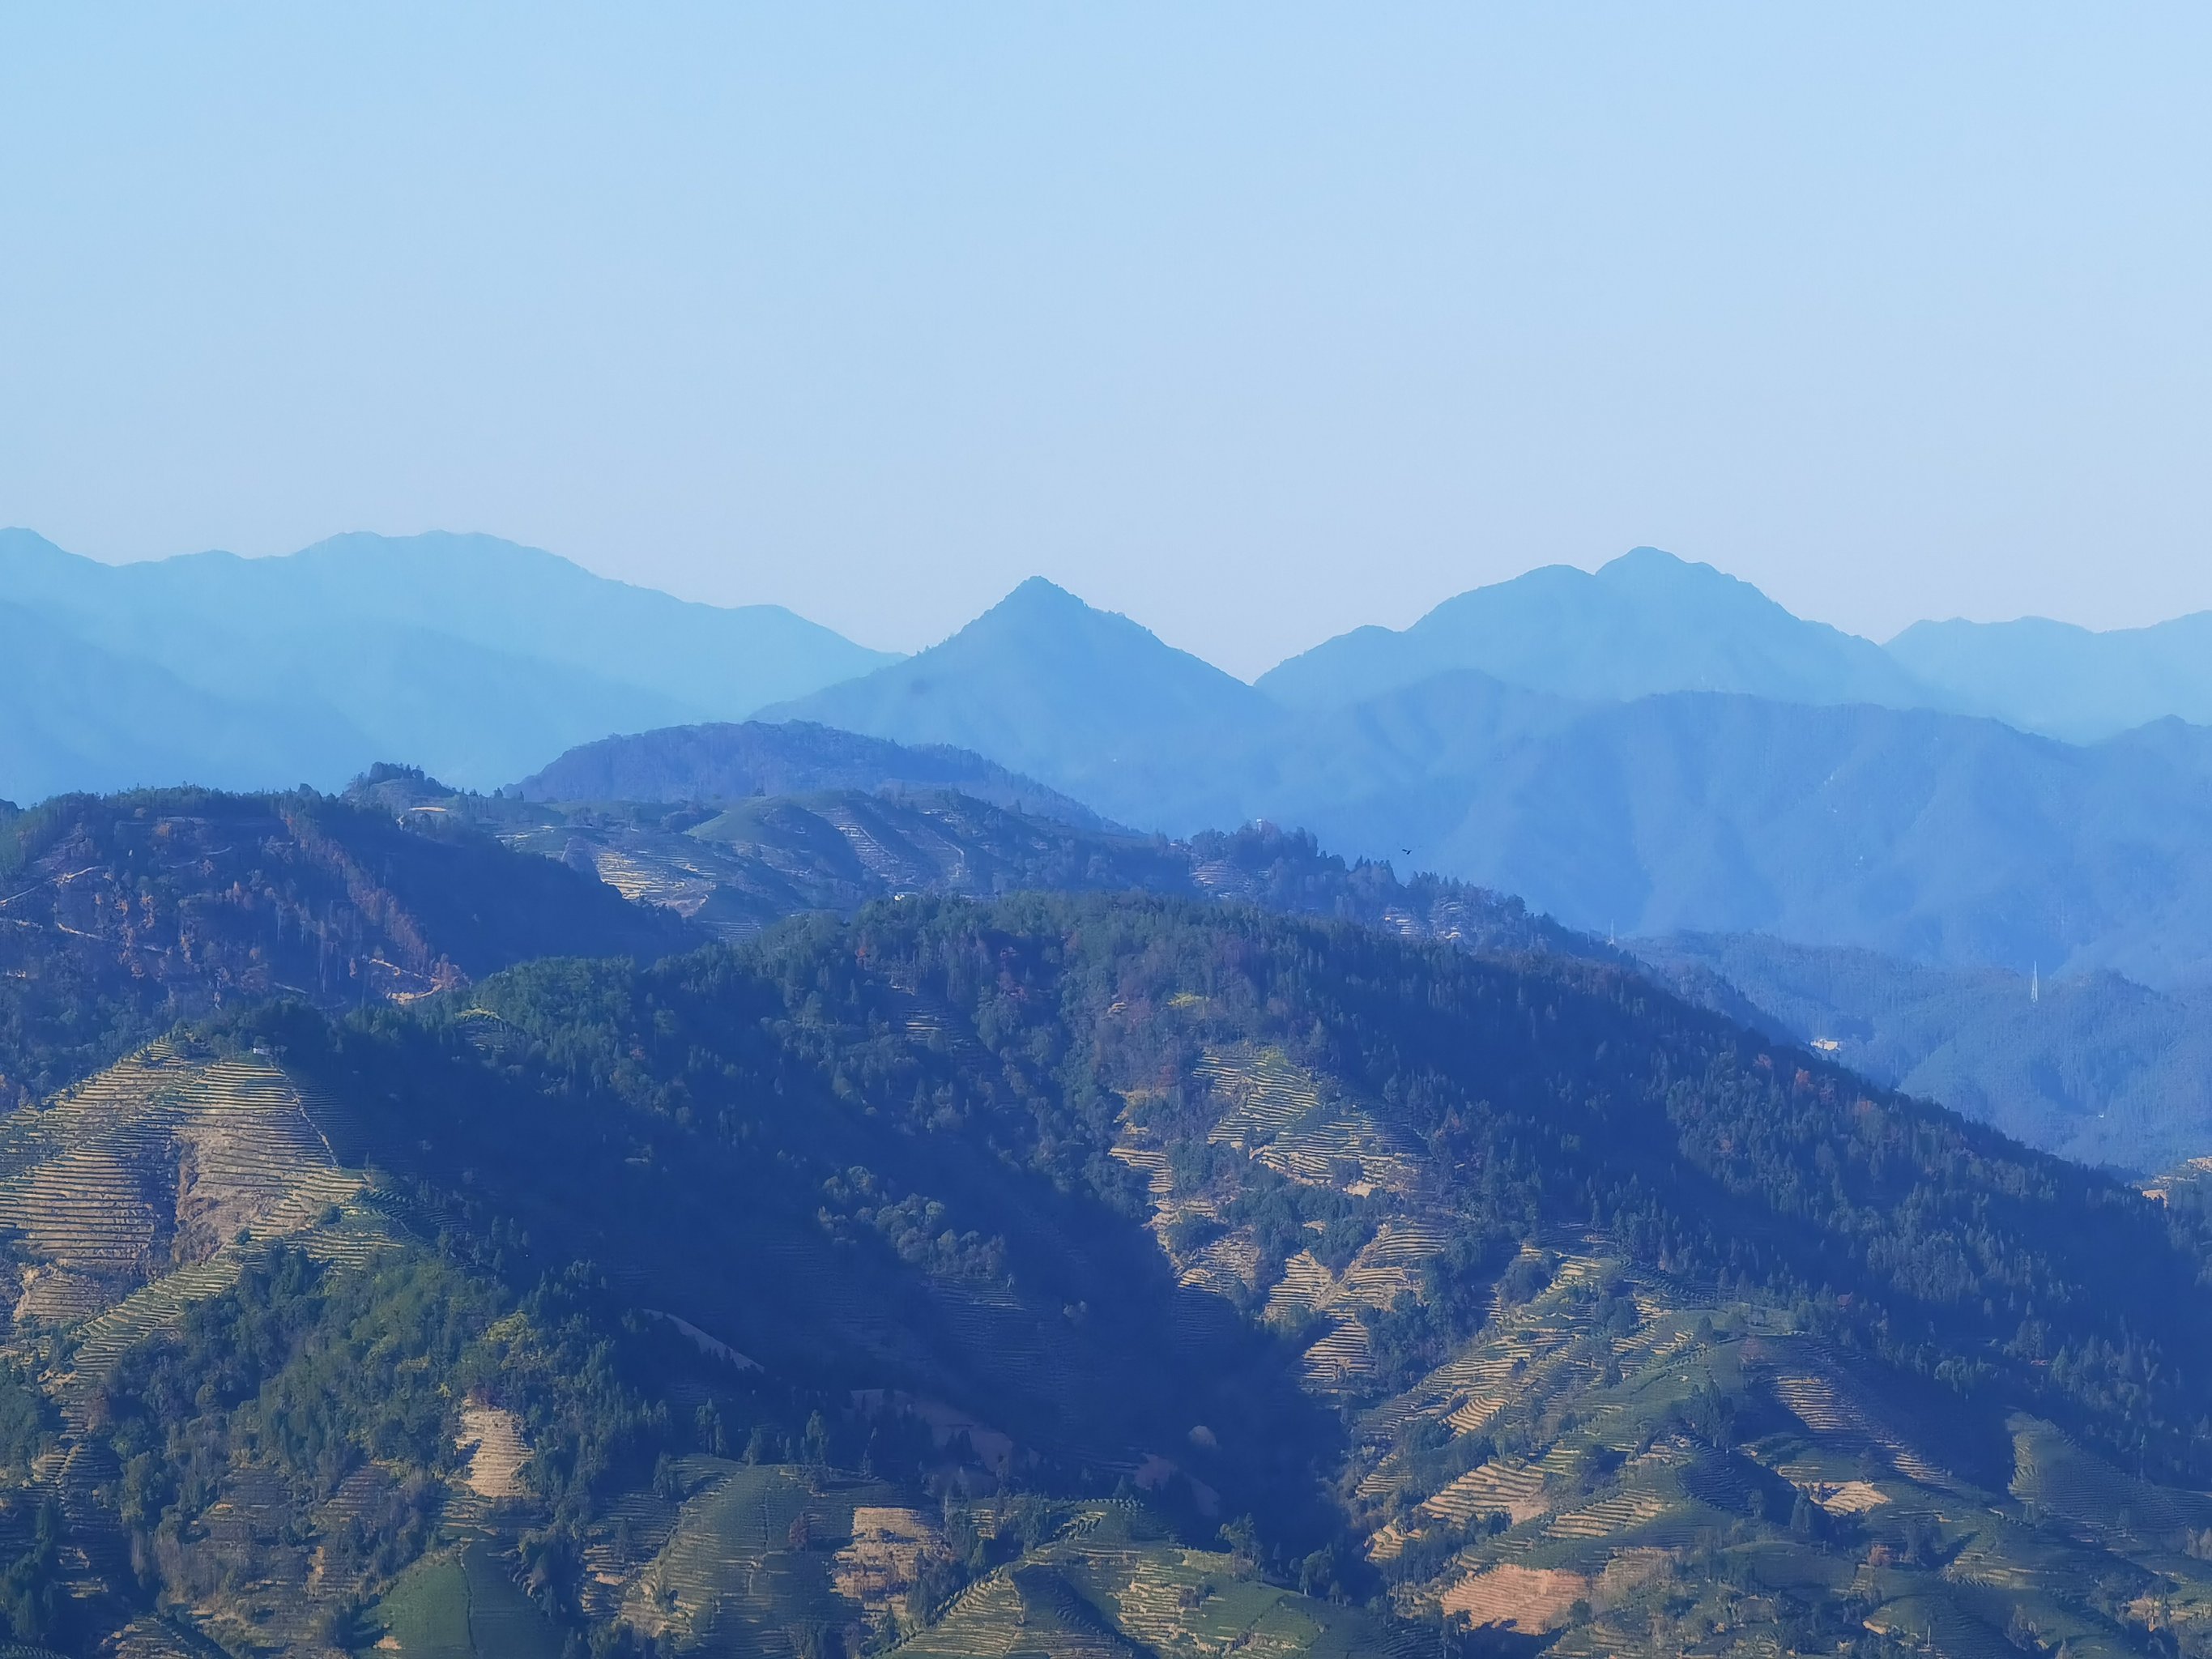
[[1252, 321]]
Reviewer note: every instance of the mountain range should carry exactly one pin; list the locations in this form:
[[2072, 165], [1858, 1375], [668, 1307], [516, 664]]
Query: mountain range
[[473, 657], [423, 1247], [1936, 836], [405, 886], [1646, 623], [1652, 749], [1649, 622], [2096, 1066]]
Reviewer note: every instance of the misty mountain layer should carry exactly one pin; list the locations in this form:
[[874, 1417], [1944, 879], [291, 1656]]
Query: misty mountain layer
[[473, 657], [1933, 836]]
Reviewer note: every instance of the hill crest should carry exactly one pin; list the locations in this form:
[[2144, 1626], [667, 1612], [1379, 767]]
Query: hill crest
[[1643, 623], [1087, 701]]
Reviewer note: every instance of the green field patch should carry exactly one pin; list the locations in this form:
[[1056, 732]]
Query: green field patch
[[752, 1558], [462, 1604], [427, 1611], [2060, 1478]]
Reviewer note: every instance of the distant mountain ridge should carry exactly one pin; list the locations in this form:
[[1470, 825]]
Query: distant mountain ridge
[[730, 763], [1085, 700], [1929, 836], [1560, 736], [1644, 624], [2095, 1067], [2055, 677], [475, 657], [1648, 623]]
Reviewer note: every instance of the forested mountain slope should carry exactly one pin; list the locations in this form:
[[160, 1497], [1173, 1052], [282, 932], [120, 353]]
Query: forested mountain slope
[[2101, 1068], [2096, 1067], [734, 870], [120, 915], [1509, 1288]]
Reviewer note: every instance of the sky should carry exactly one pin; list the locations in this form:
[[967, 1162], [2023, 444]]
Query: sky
[[1255, 322]]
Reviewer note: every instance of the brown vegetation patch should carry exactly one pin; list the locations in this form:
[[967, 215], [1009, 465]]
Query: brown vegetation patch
[[1531, 1600]]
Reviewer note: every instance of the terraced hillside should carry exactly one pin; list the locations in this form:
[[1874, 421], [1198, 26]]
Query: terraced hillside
[[1580, 1312], [1647, 1467], [1082, 1275], [735, 870], [132, 1202], [735, 867], [121, 916], [200, 1245]]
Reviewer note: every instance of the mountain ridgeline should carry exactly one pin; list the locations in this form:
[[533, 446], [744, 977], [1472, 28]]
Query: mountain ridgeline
[[473, 657], [1939, 837], [1645, 624], [1651, 749], [736, 868], [727, 764]]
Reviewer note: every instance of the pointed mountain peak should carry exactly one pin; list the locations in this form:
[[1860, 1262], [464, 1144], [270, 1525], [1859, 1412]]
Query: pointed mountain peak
[[1040, 597], [1042, 616]]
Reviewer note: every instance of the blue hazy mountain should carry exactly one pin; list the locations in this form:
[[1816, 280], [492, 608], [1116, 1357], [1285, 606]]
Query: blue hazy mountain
[[1084, 700], [2093, 1066], [476, 658], [728, 762], [75, 717], [1931, 836], [2052, 677], [1646, 623], [1935, 837], [1650, 623]]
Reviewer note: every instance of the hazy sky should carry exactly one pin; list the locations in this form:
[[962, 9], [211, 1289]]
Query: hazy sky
[[1254, 322]]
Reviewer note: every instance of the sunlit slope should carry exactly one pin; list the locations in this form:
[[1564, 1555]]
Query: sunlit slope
[[1629, 1459], [131, 1201], [1635, 1465], [1606, 1317], [1092, 1275]]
